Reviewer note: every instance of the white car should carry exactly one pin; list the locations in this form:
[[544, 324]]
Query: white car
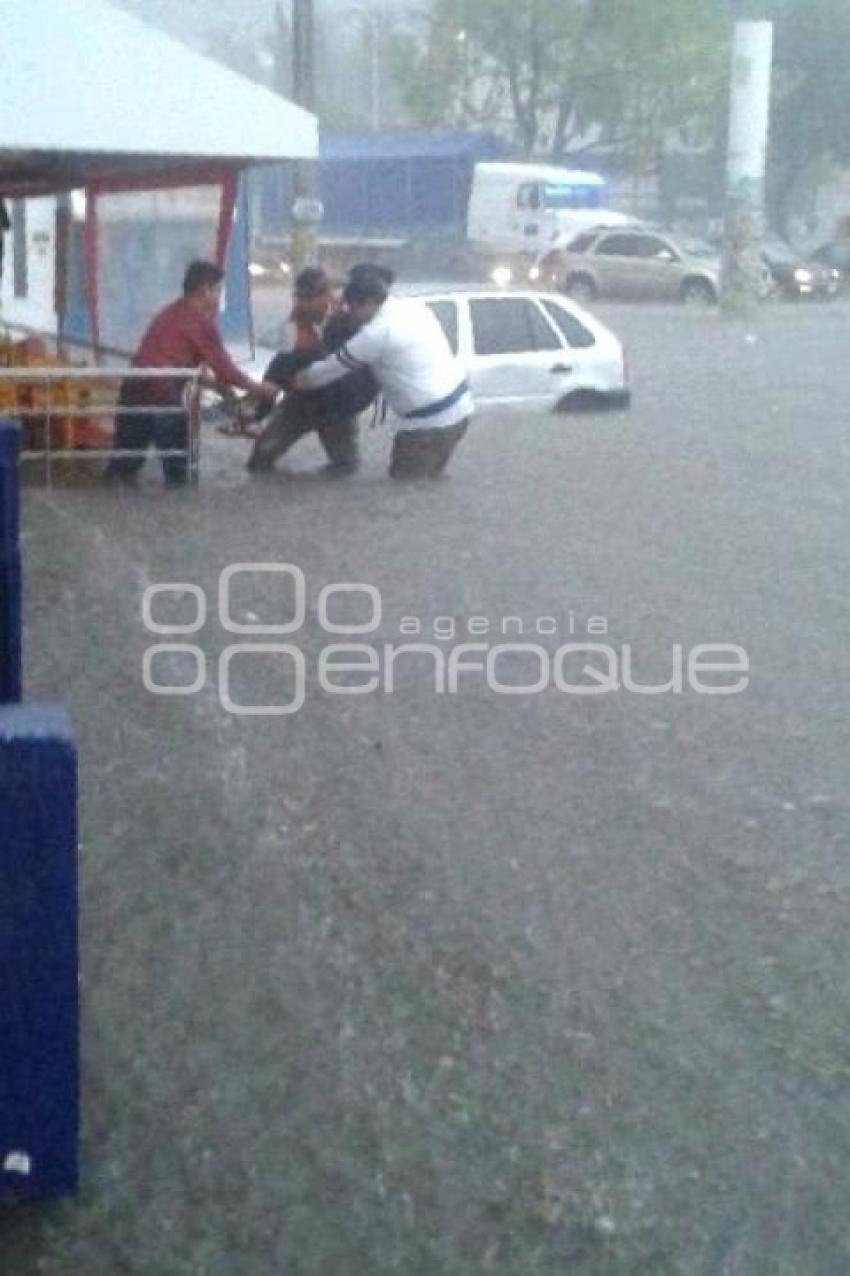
[[523, 349], [530, 349]]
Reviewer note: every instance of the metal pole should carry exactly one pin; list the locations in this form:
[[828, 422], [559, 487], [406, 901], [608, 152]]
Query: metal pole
[[48, 429], [375, 69], [304, 246], [749, 114]]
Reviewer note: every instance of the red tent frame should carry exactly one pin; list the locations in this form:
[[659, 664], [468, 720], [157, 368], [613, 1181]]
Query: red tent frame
[[226, 176]]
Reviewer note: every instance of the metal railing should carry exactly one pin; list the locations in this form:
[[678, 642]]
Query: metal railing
[[49, 399]]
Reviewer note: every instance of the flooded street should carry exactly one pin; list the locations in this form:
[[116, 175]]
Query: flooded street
[[443, 981]]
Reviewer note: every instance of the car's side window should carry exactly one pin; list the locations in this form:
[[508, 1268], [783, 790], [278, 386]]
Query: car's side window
[[656, 249], [509, 325], [541, 333], [582, 242], [446, 313], [528, 196], [619, 246], [571, 329]]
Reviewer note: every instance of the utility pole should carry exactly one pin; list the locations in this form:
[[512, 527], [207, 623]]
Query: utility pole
[[306, 208], [749, 114], [374, 37]]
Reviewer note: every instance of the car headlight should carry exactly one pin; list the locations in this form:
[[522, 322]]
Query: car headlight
[[256, 270], [501, 276], [803, 276], [534, 274]]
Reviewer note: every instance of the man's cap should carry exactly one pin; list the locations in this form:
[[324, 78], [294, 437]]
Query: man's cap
[[312, 282], [370, 269], [365, 286]]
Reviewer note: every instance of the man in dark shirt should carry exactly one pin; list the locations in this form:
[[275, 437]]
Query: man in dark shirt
[[304, 340], [183, 335], [332, 413]]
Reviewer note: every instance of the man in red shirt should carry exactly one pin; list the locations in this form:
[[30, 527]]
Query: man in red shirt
[[183, 335]]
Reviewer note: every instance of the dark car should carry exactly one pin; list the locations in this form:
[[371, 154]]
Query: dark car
[[835, 255], [797, 276]]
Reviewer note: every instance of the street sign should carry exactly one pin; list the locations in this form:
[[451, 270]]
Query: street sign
[[307, 210]]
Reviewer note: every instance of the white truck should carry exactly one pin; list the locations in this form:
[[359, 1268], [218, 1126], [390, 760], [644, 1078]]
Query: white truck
[[517, 210]]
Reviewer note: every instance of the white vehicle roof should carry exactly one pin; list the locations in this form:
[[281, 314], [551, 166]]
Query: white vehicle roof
[[543, 173]]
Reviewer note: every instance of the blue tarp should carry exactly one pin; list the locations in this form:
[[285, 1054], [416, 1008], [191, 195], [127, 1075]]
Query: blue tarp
[[468, 145], [384, 183]]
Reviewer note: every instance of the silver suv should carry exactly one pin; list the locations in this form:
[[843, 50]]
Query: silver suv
[[632, 265]]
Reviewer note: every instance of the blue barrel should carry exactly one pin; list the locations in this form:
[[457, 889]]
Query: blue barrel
[[39, 1053], [39, 1070]]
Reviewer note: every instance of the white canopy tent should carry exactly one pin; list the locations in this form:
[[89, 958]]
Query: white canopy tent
[[92, 94], [96, 99]]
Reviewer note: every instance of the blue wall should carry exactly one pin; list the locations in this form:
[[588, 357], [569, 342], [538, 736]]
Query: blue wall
[[384, 183]]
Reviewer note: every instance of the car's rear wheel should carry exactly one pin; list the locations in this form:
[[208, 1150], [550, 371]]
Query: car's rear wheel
[[698, 292], [580, 287]]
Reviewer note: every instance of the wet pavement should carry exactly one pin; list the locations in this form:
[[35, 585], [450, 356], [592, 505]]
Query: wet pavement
[[434, 981]]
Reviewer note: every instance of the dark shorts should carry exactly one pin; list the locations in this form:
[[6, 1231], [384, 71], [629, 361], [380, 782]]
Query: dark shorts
[[424, 453], [136, 431], [298, 416]]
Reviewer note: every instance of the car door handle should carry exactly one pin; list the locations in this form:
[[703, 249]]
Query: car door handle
[[560, 367]]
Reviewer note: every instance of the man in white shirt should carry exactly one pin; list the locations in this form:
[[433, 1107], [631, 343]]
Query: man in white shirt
[[405, 348]]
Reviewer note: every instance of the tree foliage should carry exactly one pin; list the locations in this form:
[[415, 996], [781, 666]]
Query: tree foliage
[[507, 65], [811, 98], [553, 72], [659, 74]]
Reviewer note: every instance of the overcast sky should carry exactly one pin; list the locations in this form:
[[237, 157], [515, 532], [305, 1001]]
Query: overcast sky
[[193, 19]]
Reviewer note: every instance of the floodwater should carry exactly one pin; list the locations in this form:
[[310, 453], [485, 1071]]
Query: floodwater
[[433, 981]]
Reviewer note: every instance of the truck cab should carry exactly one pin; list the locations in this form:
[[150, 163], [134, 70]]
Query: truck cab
[[520, 208]]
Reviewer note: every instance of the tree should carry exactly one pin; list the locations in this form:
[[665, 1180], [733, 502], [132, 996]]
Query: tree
[[554, 72], [493, 62], [659, 75], [440, 70], [811, 100]]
